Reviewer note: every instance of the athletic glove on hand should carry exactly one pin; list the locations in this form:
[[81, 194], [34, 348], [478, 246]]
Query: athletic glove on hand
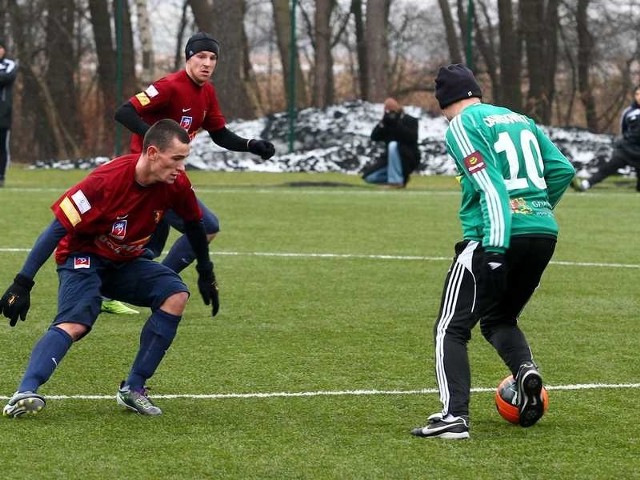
[[264, 149], [17, 299], [495, 271], [208, 287]]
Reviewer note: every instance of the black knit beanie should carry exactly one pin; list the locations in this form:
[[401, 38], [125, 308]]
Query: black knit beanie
[[201, 42], [454, 83]]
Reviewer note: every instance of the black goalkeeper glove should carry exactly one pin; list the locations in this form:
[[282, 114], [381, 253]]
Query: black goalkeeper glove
[[495, 272], [17, 299], [264, 149], [208, 287]]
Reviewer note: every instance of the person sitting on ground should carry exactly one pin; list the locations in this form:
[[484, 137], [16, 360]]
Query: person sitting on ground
[[399, 132]]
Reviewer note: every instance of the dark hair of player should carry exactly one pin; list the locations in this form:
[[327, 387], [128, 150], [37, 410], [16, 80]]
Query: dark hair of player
[[162, 133]]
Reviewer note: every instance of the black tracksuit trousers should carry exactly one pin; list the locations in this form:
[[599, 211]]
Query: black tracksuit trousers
[[464, 303]]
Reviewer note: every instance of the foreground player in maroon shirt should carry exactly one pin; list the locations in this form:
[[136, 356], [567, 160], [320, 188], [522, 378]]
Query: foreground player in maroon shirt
[[189, 98], [101, 228]]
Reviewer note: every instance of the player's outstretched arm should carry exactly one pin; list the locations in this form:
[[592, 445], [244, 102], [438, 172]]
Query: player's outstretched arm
[[16, 301], [229, 140]]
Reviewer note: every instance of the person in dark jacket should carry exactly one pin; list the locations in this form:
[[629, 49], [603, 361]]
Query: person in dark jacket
[[626, 150], [399, 132], [8, 70]]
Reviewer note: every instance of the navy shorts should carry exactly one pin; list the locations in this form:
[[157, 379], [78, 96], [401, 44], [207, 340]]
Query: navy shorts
[[85, 279], [159, 238]]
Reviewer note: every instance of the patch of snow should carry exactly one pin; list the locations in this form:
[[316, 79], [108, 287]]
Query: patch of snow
[[336, 139]]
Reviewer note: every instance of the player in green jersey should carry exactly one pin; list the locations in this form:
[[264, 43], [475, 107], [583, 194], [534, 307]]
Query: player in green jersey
[[512, 177]]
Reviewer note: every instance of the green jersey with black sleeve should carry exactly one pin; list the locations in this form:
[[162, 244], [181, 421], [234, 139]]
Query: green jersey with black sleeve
[[511, 174]]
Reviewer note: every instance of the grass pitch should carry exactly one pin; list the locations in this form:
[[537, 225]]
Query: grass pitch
[[320, 360]]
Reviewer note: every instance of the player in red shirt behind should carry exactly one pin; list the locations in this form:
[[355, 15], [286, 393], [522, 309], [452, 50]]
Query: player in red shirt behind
[[189, 98], [101, 228]]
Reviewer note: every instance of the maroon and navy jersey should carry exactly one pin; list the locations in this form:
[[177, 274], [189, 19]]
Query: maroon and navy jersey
[[111, 215], [179, 98]]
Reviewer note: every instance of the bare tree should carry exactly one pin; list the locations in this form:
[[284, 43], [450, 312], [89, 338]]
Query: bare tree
[[377, 49], [126, 50], [510, 57], [361, 47], [485, 38], [323, 88], [540, 27], [105, 52], [282, 20], [146, 42], [452, 37], [60, 90], [585, 51]]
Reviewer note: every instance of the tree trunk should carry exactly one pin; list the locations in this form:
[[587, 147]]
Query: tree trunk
[[361, 47], [552, 26], [129, 81], [146, 42], [178, 58], [231, 77], [323, 88], [585, 48], [449, 27], [282, 21], [510, 58], [106, 69], [59, 89], [377, 50], [488, 51]]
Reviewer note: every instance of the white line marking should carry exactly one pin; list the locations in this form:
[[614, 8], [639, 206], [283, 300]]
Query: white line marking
[[355, 189], [366, 257], [337, 393]]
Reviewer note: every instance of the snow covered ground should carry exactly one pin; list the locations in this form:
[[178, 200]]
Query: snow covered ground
[[336, 139]]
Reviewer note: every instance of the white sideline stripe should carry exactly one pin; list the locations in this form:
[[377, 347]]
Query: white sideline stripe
[[337, 393], [353, 189], [365, 256]]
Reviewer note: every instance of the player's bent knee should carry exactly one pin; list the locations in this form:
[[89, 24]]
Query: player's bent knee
[[211, 236], [175, 303], [75, 330]]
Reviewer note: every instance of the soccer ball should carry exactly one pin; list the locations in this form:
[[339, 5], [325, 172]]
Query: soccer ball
[[507, 400]]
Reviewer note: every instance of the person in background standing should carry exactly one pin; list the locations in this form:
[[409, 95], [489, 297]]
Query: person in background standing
[[8, 71]]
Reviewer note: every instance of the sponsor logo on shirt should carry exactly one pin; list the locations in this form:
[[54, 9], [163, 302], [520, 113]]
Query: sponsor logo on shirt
[[81, 201], [520, 205], [119, 229], [130, 250], [185, 122], [143, 99], [81, 262], [474, 162], [151, 91]]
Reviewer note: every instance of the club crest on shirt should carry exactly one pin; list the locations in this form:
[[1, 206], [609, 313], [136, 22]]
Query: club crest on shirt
[[474, 162], [185, 122], [119, 229], [157, 216], [81, 262]]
